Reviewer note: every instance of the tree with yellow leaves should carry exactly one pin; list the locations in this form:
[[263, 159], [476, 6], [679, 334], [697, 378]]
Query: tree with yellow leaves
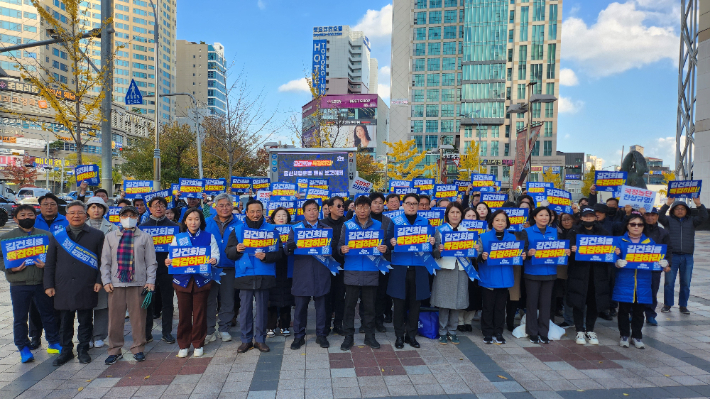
[[371, 170], [554, 178], [588, 181], [470, 162], [406, 163], [323, 127], [667, 177]]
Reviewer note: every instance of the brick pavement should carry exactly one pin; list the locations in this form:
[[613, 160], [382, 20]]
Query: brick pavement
[[676, 363]]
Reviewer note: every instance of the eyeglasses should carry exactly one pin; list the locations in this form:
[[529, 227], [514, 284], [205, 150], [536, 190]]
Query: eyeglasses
[[339, 206], [75, 213], [159, 206], [411, 203], [635, 224]]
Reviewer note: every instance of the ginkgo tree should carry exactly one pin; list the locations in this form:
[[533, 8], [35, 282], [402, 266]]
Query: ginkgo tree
[[407, 161], [551, 177], [470, 161], [588, 181]]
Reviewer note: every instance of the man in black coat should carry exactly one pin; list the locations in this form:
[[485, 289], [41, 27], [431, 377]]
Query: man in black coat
[[72, 277], [335, 302], [659, 235], [383, 304], [311, 278]]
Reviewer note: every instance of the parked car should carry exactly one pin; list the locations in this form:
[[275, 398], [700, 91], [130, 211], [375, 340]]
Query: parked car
[[6, 209], [29, 193], [75, 194]]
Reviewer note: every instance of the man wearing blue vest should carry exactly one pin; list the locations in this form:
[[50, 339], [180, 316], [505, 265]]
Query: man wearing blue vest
[[255, 276], [361, 274], [52, 221], [311, 278], [221, 225], [409, 278]]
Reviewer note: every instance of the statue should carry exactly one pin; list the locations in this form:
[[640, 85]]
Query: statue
[[635, 165]]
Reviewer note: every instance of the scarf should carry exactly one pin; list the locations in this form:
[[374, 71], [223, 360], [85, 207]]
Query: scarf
[[124, 255], [95, 223]]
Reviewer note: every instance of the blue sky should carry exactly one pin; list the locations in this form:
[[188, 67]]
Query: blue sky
[[619, 62]]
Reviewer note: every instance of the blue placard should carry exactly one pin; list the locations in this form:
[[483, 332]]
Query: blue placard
[[318, 183], [364, 242], [488, 189], [240, 185], [494, 200], [112, 215], [136, 188], [399, 183], [133, 94], [162, 236], [192, 188], [560, 200], [445, 191], [393, 214], [413, 238], [459, 243], [313, 193], [482, 180], [502, 253], [342, 194], [87, 173], [479, 226], [642, 256], [190, 260], [434, 216], [550, 252], [313, 241], [162, 193], [290, 206], [284, 191], [609, 181], [425, 186], [538, 187], [684, 188], [596, 248], [257, 241], [260, 183], [27, 249], [402, 191], [174, 189], [215, 186], [461, 185], [573, 177], [516, 216], [283, 230]]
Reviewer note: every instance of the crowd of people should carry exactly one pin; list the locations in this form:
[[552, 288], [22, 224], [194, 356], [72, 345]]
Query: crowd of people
[[103, 274]]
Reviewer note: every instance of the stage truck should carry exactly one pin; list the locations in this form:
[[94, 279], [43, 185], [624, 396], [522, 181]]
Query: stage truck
[[335, 164]]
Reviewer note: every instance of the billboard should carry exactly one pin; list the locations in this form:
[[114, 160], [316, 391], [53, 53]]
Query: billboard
[[320, 48], [360, 136], [349, 101], [337, 166]]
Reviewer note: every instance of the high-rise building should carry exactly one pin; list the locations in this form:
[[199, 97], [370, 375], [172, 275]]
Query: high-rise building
[[457, 65], [201, 72], [341, 61], [593, 161]]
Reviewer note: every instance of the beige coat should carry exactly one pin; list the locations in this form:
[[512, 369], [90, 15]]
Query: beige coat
[[144, 255]]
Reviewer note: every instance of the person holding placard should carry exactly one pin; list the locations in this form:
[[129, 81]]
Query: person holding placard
[[311, 278], [97, 208], [280, 297], [383, 304], [467, 315], [26, 286], [163, 280], [192, 290], [661, 236], [72, 277], [254, 274], [128, 270], [450, 288], [565, 231], [587, 283], [681, 225], [335, 301], [632, 288], [361, 274], [495, 280], [409, 277], [539, 279]]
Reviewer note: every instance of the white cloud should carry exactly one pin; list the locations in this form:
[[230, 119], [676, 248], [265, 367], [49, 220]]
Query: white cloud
[[664, 148], [375, 23], [566, 136], [568, 77], [384, 73], [383, 91], [621, 38], [568, 106], [295, 86], [261, 4]]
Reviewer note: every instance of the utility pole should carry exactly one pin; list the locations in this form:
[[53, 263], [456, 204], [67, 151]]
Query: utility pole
[[156, 152], [106, 114]]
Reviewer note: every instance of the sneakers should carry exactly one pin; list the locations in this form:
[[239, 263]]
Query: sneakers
[[91, 344], [371, 341], [487, 340], [298, 343], [665, 309], [684, 310], [149, 339], [225, 336], [168, 338], [624, 342], [544, 340], [323, 342], [454, 339], [210, 338], [26, 355], [534, 339], [592, 337], [270, 333], [443, 340], [637, 343], [182, 353], [113, 359], [498, 339], [198, 352], [652, 321], [565, 324], [581, 338], [139, 357], [285, 332], [348, 343], [54, 348], [99, 343]]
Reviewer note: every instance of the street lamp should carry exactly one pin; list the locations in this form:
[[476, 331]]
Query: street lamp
[[440, 150], [156, 152]]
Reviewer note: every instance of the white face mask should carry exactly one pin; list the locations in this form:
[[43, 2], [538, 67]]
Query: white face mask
[[129, 223]]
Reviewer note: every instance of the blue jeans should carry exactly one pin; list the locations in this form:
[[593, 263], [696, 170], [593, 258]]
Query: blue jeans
[[682, 264], [253, 327], [22, 296]]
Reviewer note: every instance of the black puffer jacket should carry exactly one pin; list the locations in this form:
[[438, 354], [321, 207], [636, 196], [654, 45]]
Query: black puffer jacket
[[578, 276], [660, 235], [682, 231], [337, 226]]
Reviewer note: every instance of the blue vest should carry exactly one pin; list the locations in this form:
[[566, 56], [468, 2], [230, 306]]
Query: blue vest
[[59, 223], [253, 266], [203, 239], [633, 285], [359, 263], [535, 235], [213, 228], [495, 276], [408, 258]]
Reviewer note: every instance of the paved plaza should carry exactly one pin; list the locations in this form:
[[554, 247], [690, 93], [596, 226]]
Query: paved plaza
[[675, 364]]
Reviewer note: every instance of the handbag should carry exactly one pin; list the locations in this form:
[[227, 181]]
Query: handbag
[[428, 323]]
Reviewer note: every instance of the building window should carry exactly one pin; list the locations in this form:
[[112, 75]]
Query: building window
[[481, 132], [417, 126], [519, 126], [419, 33], [552, 29], [450, 32], [506, 172], [434, 17], [495, 132], [510, 74], [434, 3], [536, 149], [418, 80], [433, 64], [548, 129], [511, 36], [521, 91], [419, 18], [430, 142], [536, 76], [507, 131], [418, 96], [493, 170], [468, 132], [511, 19], [484, 149], [420, 4], [550, 88], [449, 95], [417, 111], [449, 64], [418, 141], [448, 79], [419, 49], [494, 148], [418, 65], [447, 110], [538, 39], [538, 10], [450, 18], [522, 57], [551, 53], [549, 110], [449, 48], [434, 48], [548, 148], [450, 3], [447, 125], [432, 110], [536, 110], [506, 150], [524, 24], [432, 79], [432, 96], [435, 33]]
